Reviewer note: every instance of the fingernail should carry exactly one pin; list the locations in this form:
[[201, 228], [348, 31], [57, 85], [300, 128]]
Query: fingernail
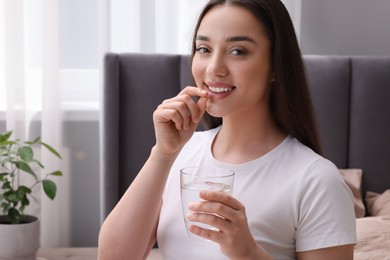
[[191, 205]]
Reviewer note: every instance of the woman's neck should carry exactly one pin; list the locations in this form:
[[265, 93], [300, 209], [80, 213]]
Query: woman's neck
[[243, 138]]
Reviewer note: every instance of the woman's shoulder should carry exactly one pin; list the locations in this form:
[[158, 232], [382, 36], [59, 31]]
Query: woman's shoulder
[[308, 159], [318, 170], [294, 150]]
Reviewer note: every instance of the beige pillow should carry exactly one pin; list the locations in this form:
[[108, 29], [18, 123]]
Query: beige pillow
[[378, 204], [373, 238], [353, 178]]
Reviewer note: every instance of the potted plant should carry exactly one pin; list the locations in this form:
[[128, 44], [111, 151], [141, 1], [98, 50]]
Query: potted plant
[[19, 233]]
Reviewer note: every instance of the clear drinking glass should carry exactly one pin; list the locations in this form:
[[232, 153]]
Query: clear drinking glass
[[198, 178]]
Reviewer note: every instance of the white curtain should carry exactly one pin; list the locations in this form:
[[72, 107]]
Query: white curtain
[[29, 80], [151, 26]]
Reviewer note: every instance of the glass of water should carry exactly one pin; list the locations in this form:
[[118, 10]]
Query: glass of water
[[198, 178]]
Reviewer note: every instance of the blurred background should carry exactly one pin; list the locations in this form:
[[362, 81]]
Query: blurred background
[[51, 54]]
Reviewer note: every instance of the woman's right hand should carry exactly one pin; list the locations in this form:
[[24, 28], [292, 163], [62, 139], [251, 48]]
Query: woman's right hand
[[175, 120]]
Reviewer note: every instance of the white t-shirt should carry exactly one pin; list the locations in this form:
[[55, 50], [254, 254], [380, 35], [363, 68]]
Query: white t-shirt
[[295, 200]]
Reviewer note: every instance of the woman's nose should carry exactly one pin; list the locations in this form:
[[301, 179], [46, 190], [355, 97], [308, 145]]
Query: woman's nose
[[217, 66]]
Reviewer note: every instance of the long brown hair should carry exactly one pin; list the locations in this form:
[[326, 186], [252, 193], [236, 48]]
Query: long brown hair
[[290, 98]]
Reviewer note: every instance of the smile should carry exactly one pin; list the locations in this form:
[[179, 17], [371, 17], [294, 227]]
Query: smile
[[219, 90]]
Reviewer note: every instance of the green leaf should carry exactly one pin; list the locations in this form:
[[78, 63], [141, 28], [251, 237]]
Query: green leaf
[[11, 196], [6, 206], [4, 136], [22, 192], [14, 216], [51, 149], [27, 189], [7, 185], [25, 167], [56, 173], [25, 202], [6, 143], [36, 140], [26, 153], [49, 188], [39, 163]]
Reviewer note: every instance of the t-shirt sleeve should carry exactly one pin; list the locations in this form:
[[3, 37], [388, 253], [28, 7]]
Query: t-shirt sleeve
[[326, 215]]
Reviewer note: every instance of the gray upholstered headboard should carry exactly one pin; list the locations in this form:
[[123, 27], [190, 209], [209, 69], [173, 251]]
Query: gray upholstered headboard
[[351, 96]]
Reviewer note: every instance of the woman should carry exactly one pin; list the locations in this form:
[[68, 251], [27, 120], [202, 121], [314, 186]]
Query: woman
[[288, 201]]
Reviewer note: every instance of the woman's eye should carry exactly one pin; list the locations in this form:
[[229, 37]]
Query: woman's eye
[[202, 50], [237, 52]]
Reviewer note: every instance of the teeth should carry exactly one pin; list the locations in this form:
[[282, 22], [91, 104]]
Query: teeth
[[220, 90]]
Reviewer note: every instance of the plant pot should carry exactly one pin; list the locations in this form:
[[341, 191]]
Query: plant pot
[[19, 241]]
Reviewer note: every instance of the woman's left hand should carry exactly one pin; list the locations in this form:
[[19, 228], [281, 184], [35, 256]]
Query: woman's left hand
[[233, 235]]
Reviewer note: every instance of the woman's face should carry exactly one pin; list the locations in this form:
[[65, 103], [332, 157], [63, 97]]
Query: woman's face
[[232, 61]]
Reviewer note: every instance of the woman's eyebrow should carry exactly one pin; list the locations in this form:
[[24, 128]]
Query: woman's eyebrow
[[241, 38], [238, 38], [202, 38]]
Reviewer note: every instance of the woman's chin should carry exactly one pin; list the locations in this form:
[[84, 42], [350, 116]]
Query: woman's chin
[[214, 111]]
